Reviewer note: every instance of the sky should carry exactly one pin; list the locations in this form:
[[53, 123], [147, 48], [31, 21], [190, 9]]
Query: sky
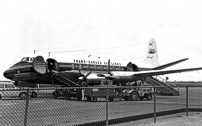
[[48, 26]]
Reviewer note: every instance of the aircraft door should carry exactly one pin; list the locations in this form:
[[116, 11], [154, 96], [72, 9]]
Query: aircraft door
[[39, 65], [52, 65]]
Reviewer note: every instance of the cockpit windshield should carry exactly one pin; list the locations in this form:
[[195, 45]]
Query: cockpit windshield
[[27, 59]]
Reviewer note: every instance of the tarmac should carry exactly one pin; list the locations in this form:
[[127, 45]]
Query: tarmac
[[180, 119]]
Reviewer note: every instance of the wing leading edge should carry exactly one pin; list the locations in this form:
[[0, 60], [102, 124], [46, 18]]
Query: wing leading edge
[[169, 64], [162, 72]]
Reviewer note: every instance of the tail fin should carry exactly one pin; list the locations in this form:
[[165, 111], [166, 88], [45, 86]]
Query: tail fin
[[152, 54]]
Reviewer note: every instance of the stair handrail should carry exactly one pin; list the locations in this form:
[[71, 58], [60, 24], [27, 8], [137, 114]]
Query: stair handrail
[[167, 87], [64, 77], [168, 83]]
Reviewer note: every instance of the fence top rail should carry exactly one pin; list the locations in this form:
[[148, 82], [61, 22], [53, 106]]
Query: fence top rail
[[98, 87]]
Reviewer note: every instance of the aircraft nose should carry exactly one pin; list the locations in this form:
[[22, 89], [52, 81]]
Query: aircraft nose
[[8, 75]]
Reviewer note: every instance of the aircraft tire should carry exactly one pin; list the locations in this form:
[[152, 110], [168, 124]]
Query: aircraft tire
[[23, 95], [134, 96]]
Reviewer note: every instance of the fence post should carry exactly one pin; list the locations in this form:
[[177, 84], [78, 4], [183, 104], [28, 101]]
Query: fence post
[[26, 107], [107, 107], [187, 101], [154, 105]]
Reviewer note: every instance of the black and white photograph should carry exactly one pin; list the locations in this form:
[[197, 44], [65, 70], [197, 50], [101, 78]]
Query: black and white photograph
[[100, 63]]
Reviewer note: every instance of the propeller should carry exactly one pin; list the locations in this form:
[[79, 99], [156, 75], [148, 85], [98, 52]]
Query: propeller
[[110, 77], [84, 76]]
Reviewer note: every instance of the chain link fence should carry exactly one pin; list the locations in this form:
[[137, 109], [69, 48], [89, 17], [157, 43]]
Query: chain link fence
[[100, 106]]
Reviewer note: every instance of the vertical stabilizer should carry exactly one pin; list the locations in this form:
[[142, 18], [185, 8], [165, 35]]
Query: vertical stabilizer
[[152, 54]]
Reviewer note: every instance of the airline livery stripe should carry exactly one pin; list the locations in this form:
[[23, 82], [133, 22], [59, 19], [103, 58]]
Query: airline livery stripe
[[65, 65], [18, 67]]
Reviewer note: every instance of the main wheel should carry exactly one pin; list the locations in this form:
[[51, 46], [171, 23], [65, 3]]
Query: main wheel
[[134, 96], [23, 95], [149, 97]]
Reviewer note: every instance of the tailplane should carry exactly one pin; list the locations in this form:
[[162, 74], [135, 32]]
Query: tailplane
[[152, 54]]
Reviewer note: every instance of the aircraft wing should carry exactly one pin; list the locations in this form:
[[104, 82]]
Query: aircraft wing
[[169, 64], [152, 72], [162, 72]]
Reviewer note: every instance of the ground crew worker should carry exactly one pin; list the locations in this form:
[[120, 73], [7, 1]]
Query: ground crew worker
[[83, 84]]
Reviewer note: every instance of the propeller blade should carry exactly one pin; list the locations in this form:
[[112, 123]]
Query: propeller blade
[[108, 66], [88, 74]]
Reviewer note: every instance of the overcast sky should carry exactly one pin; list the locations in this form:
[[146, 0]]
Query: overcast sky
[[89, 24]]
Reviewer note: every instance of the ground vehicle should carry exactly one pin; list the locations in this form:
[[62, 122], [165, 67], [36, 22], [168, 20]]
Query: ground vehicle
[[125, 92], [93, 93], [68, 93], [137, 93], [100, 91], [8, 89]]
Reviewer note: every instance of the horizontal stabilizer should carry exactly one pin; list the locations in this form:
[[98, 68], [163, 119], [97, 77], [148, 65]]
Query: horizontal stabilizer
[[169, 64]]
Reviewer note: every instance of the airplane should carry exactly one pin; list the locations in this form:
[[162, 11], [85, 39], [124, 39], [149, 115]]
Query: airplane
[[38, 69]]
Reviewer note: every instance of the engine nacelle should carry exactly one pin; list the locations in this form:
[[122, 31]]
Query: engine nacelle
[[131, 67]]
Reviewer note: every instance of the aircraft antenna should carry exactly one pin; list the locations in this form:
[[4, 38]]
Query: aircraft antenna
[[35, 51], [99, 48]]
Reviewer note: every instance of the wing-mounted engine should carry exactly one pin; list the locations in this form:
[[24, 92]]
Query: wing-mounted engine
[[131, 67], [39, 65]]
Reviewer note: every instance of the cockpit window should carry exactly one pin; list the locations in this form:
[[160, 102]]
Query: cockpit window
[[27, 59], [23, 59], [32, 59]]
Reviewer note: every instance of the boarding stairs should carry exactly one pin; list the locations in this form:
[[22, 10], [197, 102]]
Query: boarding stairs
[[65, 79], [166, 89]]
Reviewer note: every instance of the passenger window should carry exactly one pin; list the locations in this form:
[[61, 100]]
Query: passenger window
[[1, 85]]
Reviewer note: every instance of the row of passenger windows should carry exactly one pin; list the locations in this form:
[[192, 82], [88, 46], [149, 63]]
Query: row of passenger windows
[[95, 67]]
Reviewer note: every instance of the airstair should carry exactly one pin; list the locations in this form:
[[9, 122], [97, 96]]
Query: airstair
[[166, 89], [65, 79]]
